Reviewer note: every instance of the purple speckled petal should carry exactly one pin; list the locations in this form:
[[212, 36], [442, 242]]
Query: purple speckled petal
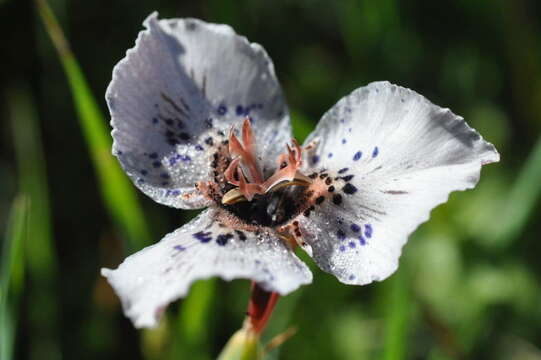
[[402, 157], [175, 96], [149, 280]]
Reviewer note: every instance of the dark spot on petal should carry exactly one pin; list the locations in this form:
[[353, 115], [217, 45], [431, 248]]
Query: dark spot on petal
[[368, 231], [395, 192], [362, 241], [320, 199], [330, 188], [347, 177], [337, 199], [239, 110], [191, 26], [209, 141], [222, 110], [202, 236], [241, 235], [357, 155], [323, 176], [349, 189], [341, 234], [343, 170], [222, 239], [184, 136], [355, 228]]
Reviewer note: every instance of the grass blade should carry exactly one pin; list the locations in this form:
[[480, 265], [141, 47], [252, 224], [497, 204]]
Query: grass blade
[[193, 322], [11, 274], [33, 180], [520, 202], [39, 253], [396, 303], [117, 191]]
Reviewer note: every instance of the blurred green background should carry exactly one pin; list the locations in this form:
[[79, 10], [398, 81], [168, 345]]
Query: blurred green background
[[468, 284]]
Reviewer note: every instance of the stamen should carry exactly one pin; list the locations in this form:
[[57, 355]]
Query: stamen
[[231, 171], [287, 173], [299, 180], [248, 189], [246, 150], [233, 196]]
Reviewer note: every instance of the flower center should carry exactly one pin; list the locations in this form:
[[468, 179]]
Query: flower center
[[244, 173], [240, 188]]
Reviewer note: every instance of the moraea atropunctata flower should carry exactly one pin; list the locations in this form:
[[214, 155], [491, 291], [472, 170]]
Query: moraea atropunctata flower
[[199, 120]]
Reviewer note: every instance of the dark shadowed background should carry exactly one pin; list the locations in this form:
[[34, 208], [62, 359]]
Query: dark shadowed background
[[468, 284]]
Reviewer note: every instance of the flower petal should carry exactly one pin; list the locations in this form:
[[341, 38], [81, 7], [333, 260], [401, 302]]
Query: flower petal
[[174, 97], [391, 157], [149, 280]]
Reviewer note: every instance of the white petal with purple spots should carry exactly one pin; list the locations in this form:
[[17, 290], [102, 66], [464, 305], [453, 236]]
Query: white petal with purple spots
[[402, 157], [149, 280], [174, 97]]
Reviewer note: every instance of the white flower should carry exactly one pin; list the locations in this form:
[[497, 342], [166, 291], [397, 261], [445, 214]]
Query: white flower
[[370, 173]]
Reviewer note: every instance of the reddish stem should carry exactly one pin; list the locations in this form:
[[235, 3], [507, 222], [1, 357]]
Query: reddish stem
[[260, 307]]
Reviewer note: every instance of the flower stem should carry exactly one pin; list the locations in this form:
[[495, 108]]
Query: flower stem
[[260, 307]]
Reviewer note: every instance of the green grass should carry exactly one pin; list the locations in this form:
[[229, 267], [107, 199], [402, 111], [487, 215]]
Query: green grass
[[520, 202], [12, 274], [396, 304], [40, 258], [117, 192]]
